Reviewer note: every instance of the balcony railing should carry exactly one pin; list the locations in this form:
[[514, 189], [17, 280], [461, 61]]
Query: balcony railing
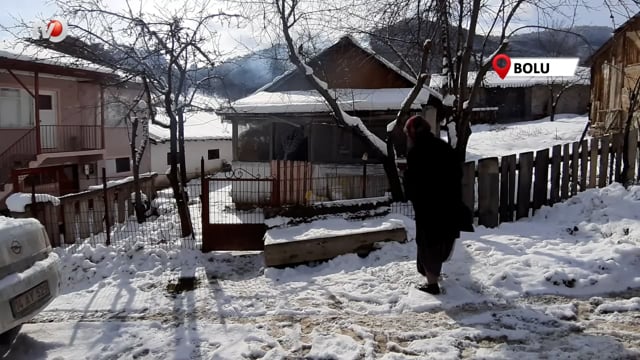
[[66, 138]]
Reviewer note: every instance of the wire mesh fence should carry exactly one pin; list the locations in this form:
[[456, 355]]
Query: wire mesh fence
[[105, 214]]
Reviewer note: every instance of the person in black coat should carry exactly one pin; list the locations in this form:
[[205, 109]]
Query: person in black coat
[[433, 184]]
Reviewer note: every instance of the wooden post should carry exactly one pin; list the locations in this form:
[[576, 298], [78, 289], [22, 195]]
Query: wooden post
[[593, 164], [364, 179], [540, 185], [524, 184], [98, 216], [469, 185], [36, 101], [34, 202], [575, 156], [488, 192], [122, 197], [616, 160], [604, 161], [555, 174], [69, 214], [507, 188], [102, 109], [204, 185], [632, 152], [107, 214], [584, 164], [83, 219], [566, 171]]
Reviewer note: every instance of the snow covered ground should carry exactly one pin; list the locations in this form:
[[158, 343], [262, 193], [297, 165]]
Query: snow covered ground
[[507, 139], [562, 284]]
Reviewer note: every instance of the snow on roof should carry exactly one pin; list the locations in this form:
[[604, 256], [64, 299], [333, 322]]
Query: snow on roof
[[18, 50], [312, 101], [17, 202], [355, 42], [199, 125], [491, 79]]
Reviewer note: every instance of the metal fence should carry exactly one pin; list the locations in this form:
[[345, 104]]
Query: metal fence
[[105, 215]]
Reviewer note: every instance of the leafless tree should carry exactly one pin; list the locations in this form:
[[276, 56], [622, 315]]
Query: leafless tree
[[296, 18], [137, 111], [558, 87], [164, 46]]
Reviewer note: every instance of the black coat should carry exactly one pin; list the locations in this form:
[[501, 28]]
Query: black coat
[[433, 183]]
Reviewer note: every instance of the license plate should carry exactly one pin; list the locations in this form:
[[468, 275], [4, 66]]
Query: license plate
[[26, 302]]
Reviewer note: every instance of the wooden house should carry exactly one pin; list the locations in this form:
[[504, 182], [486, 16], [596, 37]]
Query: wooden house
[[615, 68], [514, 99], [289, 120]]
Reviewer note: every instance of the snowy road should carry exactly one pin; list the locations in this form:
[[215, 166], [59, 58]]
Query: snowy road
[[547, 327]]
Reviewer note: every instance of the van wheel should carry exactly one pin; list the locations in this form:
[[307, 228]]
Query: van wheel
[[7, 338]]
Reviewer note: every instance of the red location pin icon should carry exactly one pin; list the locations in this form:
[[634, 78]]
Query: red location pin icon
[[501, 70]]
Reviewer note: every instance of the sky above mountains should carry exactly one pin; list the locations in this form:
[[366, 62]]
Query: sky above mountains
[[242, 39]]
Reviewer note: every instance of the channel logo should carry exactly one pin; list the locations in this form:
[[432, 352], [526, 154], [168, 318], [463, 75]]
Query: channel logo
[[534, 67], [55, 30]]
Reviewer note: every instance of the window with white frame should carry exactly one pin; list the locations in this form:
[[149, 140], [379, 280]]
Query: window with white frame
[[16, 108]]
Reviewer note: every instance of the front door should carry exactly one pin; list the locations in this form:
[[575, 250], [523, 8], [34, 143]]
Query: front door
[[48, 115]]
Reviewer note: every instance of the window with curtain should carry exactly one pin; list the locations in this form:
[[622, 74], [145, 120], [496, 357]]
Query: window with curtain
[[16, 108]]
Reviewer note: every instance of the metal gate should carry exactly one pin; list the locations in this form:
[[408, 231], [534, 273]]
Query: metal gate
[[233, 210]]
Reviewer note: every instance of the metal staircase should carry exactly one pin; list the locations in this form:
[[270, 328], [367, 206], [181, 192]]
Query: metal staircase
[[16, 156]]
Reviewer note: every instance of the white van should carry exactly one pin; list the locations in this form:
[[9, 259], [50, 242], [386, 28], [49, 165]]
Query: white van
[[29, 274]]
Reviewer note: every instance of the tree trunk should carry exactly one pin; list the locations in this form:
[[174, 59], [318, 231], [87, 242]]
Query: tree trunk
[[181, 204], [626, 177], [552, 116], [181, 154], [138, 206], [463, 133], [391, 170]]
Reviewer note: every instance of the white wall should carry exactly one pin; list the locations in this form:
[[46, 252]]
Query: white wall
[[194, 151]]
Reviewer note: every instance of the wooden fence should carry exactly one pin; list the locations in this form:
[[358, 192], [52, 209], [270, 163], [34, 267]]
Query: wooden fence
[[515, 186], [82, 214]]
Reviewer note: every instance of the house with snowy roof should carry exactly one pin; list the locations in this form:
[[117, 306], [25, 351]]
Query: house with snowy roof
[[525, 98], [57, 127], [288, 119], [205, 136]]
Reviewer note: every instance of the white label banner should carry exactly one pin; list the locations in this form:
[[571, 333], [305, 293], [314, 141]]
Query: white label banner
[[542, 67]]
